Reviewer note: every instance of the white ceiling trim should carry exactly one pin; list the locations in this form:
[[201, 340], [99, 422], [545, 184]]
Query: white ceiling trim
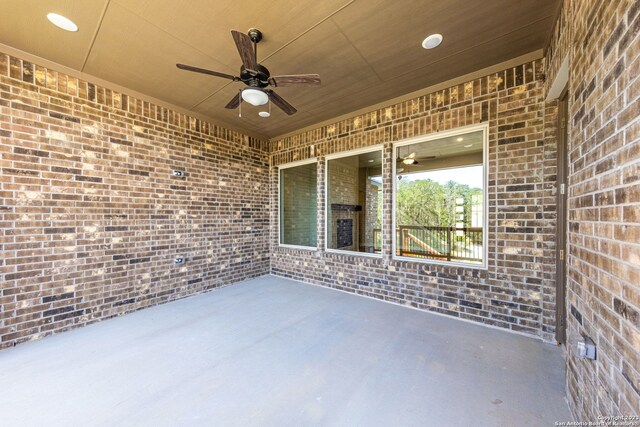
[[95, 34], [537, 54], [130, 92], [560, 81], [531, 56]]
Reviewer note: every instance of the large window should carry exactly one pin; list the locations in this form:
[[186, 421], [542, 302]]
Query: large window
[[298, 205], [354, 202], [439, 211]]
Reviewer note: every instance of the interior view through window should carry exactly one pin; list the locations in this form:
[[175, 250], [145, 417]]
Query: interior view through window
[[298, 205], [354, 202], [439, 212]]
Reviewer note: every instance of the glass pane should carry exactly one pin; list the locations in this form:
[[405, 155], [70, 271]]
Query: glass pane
[[298, 205], [439, 199], [354, 203]]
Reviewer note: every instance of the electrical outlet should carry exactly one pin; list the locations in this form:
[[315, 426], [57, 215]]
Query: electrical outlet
[[178, 173], [179, 260], [586, 348]]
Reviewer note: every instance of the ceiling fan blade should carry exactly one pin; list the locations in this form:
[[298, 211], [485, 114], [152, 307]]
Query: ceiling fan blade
[[205, 71], [281, 103], [295, 80], [234, 103], [245, 49]]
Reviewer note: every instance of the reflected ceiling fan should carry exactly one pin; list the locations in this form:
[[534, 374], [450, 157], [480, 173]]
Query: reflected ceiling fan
[[256, 76], [411, 159]]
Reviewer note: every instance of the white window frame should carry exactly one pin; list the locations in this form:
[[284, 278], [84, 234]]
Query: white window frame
[[485, 225], [369, 149], [288, 166]]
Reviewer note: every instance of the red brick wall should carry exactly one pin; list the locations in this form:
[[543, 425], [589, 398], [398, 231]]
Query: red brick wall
[[603, 43], [91, 217], [517, 291]]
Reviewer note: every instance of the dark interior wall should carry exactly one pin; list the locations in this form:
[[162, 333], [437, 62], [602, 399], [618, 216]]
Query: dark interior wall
[[517, 291], [344, 175], [91, 217], [601, 40]]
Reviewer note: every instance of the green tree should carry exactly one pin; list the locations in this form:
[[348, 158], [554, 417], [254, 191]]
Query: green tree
[[424, 202]]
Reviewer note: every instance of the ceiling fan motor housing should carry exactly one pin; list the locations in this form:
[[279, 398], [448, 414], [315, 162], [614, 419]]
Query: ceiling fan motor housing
[[255, 78]]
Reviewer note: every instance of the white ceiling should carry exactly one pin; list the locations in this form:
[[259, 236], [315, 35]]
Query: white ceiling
[[449, 146], [365, 51]]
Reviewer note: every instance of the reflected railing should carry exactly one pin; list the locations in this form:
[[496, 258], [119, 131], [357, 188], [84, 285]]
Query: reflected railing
[[436, 242]]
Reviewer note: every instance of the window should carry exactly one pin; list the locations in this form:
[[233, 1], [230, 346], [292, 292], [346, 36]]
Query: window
[[354, 202], [298, 205], [440, 198]]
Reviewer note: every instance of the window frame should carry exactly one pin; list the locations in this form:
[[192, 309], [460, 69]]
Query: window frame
[[357, 151], [289, 166], [484, 127]]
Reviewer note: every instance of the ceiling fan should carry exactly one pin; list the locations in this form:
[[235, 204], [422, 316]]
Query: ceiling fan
[[256, 76], [406, 163]]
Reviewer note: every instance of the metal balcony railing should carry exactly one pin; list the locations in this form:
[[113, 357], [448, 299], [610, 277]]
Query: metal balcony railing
[[436, 242]]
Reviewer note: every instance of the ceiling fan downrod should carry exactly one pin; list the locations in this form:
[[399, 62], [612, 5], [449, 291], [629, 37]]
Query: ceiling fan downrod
[[255, 35]]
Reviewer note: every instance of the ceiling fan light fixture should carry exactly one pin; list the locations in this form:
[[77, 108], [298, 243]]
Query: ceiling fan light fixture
[[265, 113], [409, 161], [432, 41], [255, 97], [62, 22]]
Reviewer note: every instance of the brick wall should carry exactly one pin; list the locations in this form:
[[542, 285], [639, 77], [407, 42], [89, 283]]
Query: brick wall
[[516, 291], [91, 217], [603, 43]]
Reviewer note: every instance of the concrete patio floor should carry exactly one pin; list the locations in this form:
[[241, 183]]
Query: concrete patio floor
[[275, 352]]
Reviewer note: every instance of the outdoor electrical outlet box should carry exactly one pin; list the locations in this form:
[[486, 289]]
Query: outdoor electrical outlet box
[[178, 261], [586, 348], [178, 173]]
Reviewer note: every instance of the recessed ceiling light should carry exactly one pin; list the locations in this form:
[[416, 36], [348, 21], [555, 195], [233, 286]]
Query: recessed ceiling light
[[460, 139], [264, 114], [432, 41], [370, 160], [62, 22], [468, 145]]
